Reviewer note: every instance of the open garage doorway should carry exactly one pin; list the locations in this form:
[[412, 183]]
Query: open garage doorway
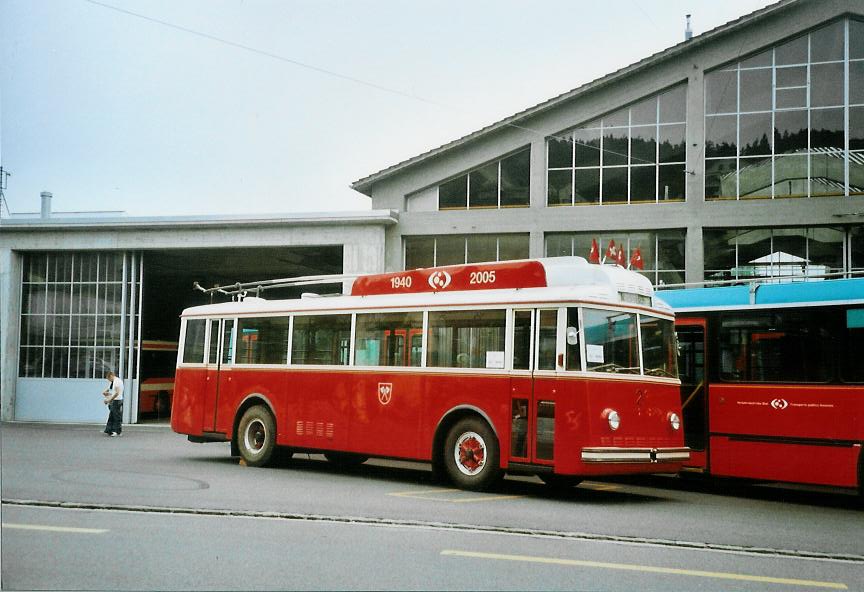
[[168, 289]]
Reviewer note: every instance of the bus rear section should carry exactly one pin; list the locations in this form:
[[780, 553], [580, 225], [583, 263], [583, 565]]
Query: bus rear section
[[560, 381], [772, 383]]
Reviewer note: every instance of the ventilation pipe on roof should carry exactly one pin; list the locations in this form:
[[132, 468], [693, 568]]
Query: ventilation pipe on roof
[[688, 32], [46, 204]]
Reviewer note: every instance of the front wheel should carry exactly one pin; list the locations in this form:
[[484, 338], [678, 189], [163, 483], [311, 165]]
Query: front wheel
[[256, 436], [471, 455]]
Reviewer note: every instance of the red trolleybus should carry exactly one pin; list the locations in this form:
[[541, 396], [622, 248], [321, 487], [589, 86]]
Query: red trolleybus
[[553, 367], [773, 380]]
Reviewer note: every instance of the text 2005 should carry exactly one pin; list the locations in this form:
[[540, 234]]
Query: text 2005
[[482, 277]]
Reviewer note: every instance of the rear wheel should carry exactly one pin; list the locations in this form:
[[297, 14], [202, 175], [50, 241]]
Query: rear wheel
[[471, 456], [256, 436]]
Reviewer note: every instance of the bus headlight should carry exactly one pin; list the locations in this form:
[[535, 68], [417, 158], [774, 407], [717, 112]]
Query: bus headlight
[[613, 418], [675, 421]]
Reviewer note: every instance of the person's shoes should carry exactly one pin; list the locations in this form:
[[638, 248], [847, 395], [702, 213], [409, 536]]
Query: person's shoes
[[114, 434]]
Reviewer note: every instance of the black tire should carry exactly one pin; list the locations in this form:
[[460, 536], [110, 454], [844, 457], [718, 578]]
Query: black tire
[[559, 482], [256, 436], [345, 460], [471, 456]]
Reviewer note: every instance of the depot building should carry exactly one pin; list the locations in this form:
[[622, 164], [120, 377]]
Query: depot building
[[736, 153]]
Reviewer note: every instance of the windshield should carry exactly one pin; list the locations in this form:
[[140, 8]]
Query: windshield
[[610, 341], [659, 346]]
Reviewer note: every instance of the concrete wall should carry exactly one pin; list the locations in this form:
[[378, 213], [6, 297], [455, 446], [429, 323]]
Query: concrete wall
[[59, 399], [687, 66]]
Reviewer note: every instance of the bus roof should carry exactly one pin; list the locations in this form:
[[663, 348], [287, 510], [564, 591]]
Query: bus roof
[[836, 292], [559, 279]]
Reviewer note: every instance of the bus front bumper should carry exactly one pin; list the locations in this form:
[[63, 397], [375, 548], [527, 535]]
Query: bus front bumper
[[635, 455]]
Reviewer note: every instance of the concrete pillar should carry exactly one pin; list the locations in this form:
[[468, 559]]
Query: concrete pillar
[[364, 256], [694, 255], [10, 313]]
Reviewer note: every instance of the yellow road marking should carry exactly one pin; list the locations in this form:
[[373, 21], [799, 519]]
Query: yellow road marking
[[485, 498], [421, 492], [646, 569], [443, 495], [600, 486], [45, 528]]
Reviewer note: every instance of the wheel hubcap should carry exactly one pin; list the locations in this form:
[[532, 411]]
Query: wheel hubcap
[[256, 436], [470, 453]]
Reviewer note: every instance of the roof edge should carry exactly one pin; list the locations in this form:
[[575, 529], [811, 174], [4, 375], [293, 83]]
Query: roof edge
[[361, 218]]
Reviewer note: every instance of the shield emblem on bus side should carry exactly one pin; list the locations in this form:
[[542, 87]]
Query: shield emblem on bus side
[[385, 392]]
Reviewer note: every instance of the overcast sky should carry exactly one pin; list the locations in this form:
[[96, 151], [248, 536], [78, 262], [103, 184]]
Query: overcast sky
[[111, 111]]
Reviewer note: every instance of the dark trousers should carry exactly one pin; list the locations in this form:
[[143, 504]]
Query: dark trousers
[[115, 417]]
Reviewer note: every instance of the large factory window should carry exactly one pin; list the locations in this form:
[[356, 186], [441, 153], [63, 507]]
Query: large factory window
[[500, 184], [657, 255], [797, 253], [72, 316], [435, 251], [633, 155], [777, 123]]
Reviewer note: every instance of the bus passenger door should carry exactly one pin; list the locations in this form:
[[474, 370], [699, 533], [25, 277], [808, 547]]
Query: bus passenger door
[[521, 387], [694, 387], [220, 352], [212, 375], [533, 394]]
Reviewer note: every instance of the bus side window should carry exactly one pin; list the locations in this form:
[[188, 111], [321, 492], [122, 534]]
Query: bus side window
[[262, 340], [321, 340], [574, 349], [193, 347], [466, 339], [380, 339], [522, 339], [228, 341], [214, 342], [547, 339]]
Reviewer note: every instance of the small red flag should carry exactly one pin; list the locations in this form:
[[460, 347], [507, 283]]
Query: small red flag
[[621, 257], [594, 255], [612, 251], [636, 260]]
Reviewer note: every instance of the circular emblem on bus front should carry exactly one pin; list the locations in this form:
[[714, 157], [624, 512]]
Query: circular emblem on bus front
[[385, 392], [439, 280]]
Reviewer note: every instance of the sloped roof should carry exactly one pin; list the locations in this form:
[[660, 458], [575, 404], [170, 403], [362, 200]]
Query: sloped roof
[[364, 185]]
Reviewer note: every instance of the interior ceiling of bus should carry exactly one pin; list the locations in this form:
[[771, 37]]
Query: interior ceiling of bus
[[226, 266]]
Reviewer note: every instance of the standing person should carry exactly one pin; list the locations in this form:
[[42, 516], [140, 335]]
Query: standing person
[[114, 399]]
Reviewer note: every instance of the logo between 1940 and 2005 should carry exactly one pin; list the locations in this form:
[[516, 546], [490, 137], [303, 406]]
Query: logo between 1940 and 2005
[[385, 392], [439, 280], [779, 404]]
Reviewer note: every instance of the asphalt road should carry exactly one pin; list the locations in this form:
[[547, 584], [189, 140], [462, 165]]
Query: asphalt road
[[152, 511]]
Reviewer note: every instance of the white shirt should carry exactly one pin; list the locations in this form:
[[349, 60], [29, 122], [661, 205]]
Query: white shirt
[[117, 387]]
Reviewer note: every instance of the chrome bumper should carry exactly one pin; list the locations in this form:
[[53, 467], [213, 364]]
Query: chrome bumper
[[634, 455]]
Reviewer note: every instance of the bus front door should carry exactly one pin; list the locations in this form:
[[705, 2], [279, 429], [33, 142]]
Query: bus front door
[[521, 387], [532, 400], [220, 353], [694, 388]]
